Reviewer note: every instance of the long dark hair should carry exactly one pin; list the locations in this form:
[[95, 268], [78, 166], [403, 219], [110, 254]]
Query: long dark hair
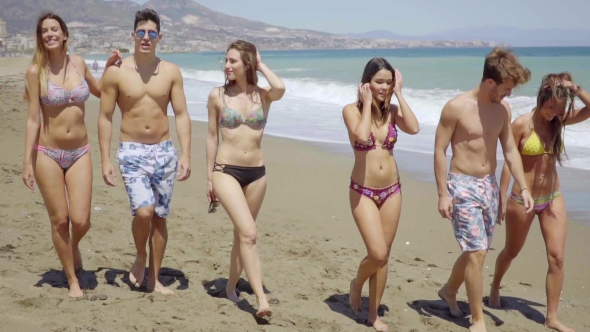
[[552, 89], [371, 68]]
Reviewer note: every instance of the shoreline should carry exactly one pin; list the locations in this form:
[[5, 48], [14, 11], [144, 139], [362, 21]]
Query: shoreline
[[419, 166], [352, 49]]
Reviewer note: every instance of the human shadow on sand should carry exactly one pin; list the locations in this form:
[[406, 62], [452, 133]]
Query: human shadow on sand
[[216, 288], [58, 279], [525, 307], [167, 277], [339, 303], [438, 308]]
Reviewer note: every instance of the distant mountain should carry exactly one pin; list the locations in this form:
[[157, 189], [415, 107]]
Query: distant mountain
[[187, 26], [124, 5], [502, 34], [192, 13], [523, 37], [21, 15], [379, 34]]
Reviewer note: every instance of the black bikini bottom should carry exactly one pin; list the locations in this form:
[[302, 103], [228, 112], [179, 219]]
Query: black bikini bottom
[[243, 174]]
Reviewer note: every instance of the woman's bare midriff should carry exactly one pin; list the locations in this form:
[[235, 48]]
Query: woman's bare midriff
[[63, 127], [241, 147], [375, 168], [540, 174]]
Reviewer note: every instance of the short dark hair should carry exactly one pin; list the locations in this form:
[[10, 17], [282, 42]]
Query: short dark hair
[[501, 65], [147, 14]]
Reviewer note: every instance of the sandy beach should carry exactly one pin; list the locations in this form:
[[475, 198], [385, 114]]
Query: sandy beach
[[308, 242]]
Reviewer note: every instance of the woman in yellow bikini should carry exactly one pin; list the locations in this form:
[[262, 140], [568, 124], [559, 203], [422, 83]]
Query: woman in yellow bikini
[[539, 135]]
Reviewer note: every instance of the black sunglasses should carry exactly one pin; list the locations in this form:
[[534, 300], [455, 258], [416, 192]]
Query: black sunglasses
[[213, 206], [151, 34]]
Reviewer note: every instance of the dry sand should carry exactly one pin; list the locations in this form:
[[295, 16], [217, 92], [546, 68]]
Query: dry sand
[[308, 243]]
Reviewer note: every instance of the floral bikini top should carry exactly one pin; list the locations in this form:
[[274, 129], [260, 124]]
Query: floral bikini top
[[387, 144], [56, 95], [230, 118]]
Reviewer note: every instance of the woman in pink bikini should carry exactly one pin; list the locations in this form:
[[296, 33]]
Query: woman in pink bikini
[[539, 137], [56, 149], [375, 197]]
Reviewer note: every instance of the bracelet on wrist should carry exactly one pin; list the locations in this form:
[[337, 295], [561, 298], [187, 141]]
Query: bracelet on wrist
[[523, 189]]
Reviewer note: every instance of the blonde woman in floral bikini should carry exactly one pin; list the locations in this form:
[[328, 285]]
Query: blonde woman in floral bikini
[[56, 147]]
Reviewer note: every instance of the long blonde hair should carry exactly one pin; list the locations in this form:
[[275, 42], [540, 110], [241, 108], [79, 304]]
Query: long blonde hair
[[41, 56]]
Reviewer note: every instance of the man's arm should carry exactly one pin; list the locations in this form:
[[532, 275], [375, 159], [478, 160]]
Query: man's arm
[[506, 176], [444, 134], [513, 159], [517, 132], [183, 123], [108, 100]]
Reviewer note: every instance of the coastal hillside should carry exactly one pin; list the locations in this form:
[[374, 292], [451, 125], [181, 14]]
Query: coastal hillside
[[187, 26]]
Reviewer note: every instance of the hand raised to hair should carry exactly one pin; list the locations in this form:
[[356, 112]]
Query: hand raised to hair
[[258, 61], [365, 92], [397, 88]]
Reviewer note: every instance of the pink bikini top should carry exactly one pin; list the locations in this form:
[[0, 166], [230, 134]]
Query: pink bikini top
[[387, 144], [56, 95]]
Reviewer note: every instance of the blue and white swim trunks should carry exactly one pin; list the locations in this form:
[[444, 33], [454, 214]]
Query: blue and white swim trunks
[[149, 173]]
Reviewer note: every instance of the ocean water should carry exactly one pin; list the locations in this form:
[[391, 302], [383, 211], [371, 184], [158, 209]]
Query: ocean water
[[320, 82]]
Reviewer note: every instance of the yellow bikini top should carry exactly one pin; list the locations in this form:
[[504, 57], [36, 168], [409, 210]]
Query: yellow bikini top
[[534, 147]]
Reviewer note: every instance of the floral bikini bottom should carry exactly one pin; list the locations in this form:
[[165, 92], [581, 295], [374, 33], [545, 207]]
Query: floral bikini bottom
[[377, 195]]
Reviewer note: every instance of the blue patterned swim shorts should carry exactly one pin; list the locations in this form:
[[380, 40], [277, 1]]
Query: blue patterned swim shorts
[[475, 210], [149, 173]]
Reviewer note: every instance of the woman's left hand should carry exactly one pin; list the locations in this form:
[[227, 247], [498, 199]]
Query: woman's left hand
[[114, 59]]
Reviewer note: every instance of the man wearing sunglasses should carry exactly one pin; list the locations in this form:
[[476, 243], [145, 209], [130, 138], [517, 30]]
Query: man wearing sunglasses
[[142, 86]]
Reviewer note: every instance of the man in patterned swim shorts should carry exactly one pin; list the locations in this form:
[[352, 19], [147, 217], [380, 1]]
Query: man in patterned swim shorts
[[468, 195], [142, 86]]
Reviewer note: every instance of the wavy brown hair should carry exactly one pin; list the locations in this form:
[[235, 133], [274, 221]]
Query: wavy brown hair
[[371, 68], [41, 56], [551, 89], [248, 55], [501, 65]]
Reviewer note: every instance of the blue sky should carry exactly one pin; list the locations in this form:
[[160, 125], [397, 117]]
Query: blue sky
[[407, 17]]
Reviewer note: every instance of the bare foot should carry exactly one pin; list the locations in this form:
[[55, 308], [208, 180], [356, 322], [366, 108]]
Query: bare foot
[[231, 295], [75, 291], [137, 272], [478, 327], [494, 299], [78, 266], [159, 288], [263, 308], [354, 297], [450, 297], [556, 325], [378, 325]]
